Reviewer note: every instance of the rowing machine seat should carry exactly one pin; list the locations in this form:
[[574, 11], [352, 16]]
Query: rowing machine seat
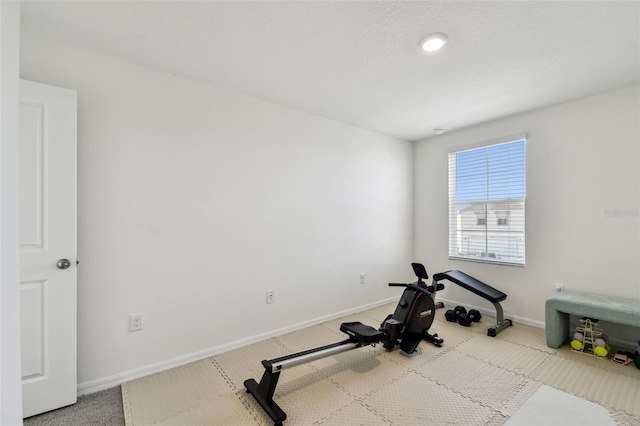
[[361, 333]]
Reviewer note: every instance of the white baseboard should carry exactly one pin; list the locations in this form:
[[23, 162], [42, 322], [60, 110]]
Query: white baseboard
[[117, 379]]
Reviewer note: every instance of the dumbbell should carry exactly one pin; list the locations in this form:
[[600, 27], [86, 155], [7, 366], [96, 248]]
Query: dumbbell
[[466, 319], [452, 314]]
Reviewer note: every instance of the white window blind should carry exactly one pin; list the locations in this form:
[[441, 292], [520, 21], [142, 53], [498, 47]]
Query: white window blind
[[486, 202]]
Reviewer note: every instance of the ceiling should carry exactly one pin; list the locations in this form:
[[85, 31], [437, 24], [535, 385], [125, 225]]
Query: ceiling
[[359, 62]]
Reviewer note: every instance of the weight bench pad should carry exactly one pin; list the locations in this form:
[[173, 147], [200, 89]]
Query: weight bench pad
[[473, 285], [361, 333]]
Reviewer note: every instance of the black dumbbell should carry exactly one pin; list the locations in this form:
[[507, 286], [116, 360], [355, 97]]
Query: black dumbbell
[[466, 319], [452, 314]]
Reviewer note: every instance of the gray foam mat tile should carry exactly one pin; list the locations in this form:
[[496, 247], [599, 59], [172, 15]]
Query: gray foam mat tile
[[295, 395], [221, 411], [525, 335], [615, 391], [416, 400], [496, 419], [354, 414], [360, 373], [520, 395], [505, 354], [475, 379], [309, 398], [253, 407], [246, 362], [294, 379], [625, 419], [621, 393], [159, 396], [423, 353]]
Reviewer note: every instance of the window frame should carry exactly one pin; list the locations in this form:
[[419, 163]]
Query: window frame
[[511, 209]]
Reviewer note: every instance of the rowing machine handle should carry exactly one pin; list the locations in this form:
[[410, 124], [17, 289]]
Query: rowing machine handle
[[411, 286]]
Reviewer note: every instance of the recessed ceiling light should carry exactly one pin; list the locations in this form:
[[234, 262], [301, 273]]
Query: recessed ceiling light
[[433, 42]]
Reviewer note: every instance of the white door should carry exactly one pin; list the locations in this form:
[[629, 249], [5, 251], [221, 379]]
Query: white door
[[48, 246]]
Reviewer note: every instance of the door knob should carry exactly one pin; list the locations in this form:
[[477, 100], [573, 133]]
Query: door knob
[[63, 263]]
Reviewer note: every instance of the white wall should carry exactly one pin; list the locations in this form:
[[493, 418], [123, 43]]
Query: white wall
[[193, 201], [10, 385], [582, 160]]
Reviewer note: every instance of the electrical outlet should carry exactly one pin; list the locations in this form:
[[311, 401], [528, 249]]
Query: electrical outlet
[[271, 296], [136, 322], [363, 279], [559, 287]]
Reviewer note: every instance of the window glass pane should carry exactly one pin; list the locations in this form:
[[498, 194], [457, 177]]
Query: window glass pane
[[486, 203], [505, 171]]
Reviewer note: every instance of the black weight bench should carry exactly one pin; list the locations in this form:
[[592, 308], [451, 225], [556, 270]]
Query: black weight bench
[[483, 290]]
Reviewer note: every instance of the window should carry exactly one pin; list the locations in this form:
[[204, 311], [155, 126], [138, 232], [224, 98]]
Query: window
[[486, 202]]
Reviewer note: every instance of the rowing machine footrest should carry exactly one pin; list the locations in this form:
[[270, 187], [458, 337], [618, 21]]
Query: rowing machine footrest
[[361, 333]]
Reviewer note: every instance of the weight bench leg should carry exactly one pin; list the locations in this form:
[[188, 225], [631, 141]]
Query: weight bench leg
[[501, 323]]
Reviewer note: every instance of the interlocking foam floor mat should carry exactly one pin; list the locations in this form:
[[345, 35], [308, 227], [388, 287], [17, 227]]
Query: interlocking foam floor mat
[[472, 379]]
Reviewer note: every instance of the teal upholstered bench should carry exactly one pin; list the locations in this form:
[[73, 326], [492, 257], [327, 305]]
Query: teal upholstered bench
[[559, 306]]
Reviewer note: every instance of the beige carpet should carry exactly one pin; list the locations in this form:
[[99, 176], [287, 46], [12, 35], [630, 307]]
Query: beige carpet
[[472, 380]]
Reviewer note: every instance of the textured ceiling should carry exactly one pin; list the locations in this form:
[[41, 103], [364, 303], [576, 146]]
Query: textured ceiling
[[359, 63]]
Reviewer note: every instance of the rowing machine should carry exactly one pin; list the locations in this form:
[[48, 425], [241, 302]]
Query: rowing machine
[[406, 327]]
